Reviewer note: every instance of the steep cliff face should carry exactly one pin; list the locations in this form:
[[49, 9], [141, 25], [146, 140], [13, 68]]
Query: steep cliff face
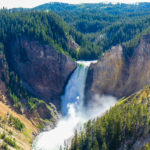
[[116, 76], [43, 70]]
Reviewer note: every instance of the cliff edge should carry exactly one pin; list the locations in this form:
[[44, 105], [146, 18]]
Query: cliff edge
[[115, 75]]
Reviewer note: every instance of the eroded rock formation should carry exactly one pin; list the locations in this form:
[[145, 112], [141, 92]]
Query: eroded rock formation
[[43, 70], [114, 75]]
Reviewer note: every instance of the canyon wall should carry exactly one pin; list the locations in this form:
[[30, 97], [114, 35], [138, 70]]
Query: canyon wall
[[115, 75], [43, 70]]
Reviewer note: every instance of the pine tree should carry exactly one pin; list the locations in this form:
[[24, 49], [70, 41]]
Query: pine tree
[[104, 146]]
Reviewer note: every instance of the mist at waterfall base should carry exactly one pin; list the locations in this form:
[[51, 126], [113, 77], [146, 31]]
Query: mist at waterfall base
[[75, 115]]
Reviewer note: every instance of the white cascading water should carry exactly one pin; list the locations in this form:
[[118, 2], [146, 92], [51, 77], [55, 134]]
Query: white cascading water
[[74, 92], [73, 113]]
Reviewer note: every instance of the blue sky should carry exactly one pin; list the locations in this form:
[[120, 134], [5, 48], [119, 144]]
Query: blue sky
[[33, 3]]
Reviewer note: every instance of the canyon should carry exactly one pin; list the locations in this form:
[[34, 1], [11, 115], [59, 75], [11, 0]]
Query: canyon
[[73, 82]]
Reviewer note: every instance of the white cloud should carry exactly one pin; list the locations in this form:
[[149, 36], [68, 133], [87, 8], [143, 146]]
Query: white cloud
[[33, 3]]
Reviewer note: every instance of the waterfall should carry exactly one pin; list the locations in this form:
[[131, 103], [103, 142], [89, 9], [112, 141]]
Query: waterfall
[[71, 106], [74, 115], [74, 92]]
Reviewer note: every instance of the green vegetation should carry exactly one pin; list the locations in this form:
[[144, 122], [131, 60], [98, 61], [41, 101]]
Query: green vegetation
[[33, 103], [8, 141], [12, 121], [40, 126], [16, 102], [19, 95], [130, 45], [146, 146], [94, 28], [1, 47], [105, 25], [45, 27], [5, 146], [124, 124]]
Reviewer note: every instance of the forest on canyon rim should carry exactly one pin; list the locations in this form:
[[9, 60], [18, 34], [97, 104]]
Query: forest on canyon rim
[[38, 52]]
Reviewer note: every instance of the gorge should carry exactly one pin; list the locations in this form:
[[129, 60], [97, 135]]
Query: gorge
[[73, 110], [51, 99]]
